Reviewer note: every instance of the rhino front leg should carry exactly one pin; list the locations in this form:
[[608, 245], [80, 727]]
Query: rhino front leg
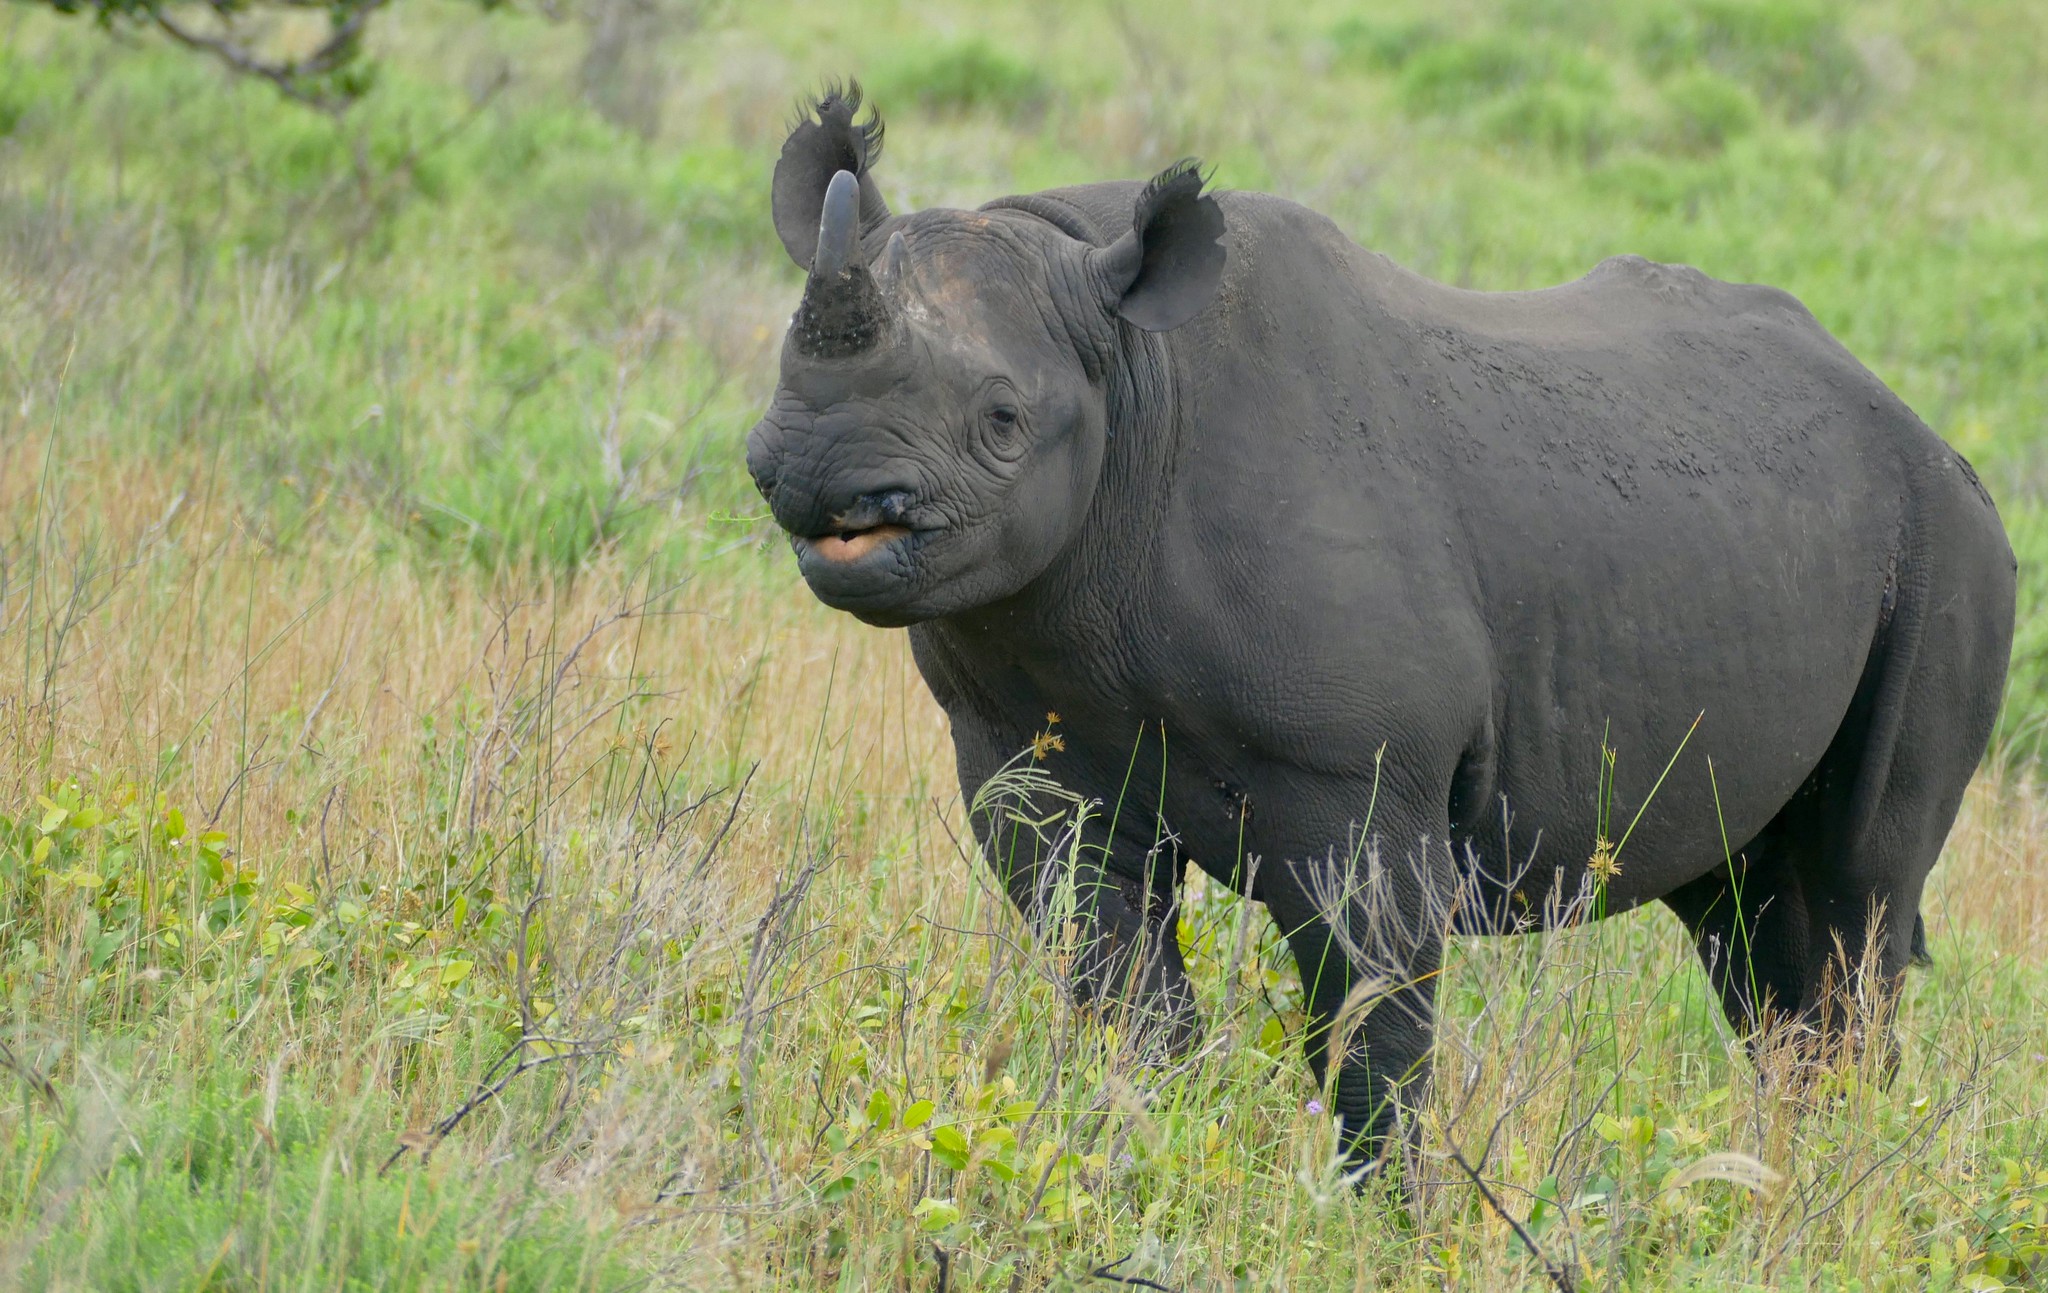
[[1367, 928], [1126, 903], [1130, 963]]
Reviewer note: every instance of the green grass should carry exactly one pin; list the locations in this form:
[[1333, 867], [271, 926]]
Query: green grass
[[216, 1186], [380, 588]]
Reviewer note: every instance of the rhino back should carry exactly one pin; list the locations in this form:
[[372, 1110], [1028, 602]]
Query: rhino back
[[1480, 537], [1568, 519]]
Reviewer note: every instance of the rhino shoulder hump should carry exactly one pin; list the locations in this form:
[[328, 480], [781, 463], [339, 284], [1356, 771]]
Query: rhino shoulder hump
[[1685, 285], [1675, 282]]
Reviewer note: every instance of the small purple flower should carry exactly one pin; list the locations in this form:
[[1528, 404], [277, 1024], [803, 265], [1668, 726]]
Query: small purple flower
[[1125, 1160], [1315, 1106]]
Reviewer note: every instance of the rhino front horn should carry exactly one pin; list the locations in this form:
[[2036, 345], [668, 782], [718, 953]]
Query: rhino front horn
[[843, 311], [838, 226]]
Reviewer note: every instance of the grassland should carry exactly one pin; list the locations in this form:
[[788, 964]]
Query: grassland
[[441, 844]]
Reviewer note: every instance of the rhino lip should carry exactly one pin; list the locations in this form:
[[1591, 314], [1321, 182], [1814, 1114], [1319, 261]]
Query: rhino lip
[[875, 524], [865, 563], [846, 546]]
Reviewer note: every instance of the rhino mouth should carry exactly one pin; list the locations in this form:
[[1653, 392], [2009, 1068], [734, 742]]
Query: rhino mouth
[[847, 546], [870, 570], [868, 557]]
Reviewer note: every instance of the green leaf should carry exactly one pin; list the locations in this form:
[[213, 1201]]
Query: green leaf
[[917, 1115], [881, 1110], [1272, 1035], [104, 947], [53, 817], [949, 1146], [995, 1140], [838, 1188], [935, 1214]]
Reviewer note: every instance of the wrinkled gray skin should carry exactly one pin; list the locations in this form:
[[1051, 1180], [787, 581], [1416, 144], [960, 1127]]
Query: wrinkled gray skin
[[1326, 550]]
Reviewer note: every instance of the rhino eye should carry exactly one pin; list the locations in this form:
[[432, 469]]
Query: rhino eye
[[1003, 417]]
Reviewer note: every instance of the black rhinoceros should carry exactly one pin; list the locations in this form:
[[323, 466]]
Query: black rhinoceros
[[1347, 568]]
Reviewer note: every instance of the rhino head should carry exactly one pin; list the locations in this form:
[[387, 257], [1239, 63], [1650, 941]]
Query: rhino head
[[939, 429]]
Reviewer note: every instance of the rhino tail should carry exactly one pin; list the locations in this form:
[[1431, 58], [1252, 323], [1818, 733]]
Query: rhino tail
[[1921, 956]]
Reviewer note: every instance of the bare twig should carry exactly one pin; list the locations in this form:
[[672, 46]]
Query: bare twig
[[290, 76], [1559, 1276], [1107, 1271], [31, 1077], [249, 765], [425, 1142]]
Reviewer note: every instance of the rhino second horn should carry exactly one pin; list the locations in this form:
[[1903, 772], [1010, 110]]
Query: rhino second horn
[[895, 263]]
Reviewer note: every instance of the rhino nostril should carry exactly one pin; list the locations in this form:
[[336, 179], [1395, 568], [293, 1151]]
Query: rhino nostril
[[874, 510], [890, 505]]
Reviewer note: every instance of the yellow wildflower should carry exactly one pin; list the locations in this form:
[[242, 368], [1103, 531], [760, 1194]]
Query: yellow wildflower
[[1604, 864]]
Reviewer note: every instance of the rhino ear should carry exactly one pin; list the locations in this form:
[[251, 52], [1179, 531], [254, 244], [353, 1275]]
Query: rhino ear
[[1167, 268], [824, 141]]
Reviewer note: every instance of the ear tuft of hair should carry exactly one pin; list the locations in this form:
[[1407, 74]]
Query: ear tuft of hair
[[826, 137], [832, 112], [1178, 183], [1168, 267]]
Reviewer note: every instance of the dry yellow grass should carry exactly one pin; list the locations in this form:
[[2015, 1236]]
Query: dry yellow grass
[[322, 661], [1993, 878]]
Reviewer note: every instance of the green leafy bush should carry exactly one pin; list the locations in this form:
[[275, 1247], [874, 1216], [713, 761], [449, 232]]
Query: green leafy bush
[[1792, 52], [1521, 90], [1453, 75], [1705, 110], [1563, 119], [2021, 728], [969, 75], [122, 882], [1382, 44]]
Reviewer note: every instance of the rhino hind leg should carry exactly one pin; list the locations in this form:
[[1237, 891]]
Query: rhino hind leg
[[1880, 806], [1749, 922], [1794, 935], [1827, 916]]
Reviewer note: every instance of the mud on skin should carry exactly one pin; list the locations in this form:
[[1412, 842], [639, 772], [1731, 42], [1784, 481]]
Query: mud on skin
[[1365, 572]]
